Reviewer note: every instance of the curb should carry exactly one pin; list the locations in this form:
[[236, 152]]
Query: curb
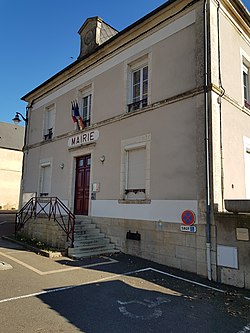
[[44, 253]]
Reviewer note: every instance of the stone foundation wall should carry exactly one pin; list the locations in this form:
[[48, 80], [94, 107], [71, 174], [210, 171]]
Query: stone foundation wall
[[161, 242], [45, 231], [227, 224]]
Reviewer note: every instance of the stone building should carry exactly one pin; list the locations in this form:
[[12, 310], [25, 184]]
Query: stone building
[[148, 134], [11, 157]]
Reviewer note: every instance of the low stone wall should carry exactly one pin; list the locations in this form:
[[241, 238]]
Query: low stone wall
[[227, 226], [160, 242], [44, 230]]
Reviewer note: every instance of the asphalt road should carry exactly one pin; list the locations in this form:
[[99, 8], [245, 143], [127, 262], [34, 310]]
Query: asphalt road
[[113, 294], [7, 223]]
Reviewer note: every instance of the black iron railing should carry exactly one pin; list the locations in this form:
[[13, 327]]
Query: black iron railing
[[135, 190], [49, 135], [247, 104], [50, 207], [137, 105]]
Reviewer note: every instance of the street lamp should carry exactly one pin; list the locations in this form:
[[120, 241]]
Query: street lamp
[[17, 120]]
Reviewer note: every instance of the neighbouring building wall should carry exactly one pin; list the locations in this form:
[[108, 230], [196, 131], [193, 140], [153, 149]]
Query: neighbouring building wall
[[231, 118], [233, 249], [10, 178], [230, 123]]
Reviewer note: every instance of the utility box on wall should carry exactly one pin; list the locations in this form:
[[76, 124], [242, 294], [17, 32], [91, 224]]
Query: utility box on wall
[[227, 256]]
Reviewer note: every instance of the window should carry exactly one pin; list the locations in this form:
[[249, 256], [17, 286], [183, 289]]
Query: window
[[246, 86], [136, 174], [139, 83], [45, 178], [135, 169], [86, 110], [49, 122]]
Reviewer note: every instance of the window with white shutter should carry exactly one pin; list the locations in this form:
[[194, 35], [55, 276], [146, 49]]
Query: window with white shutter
[[45, 179], [135, 169], [136, 173]]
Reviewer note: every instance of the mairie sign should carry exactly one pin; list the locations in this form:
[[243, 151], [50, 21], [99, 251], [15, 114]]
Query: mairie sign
[[83, 138]]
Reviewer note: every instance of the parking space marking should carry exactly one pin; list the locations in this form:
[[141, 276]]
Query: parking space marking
[[3, 222], [187, 280], [61, 270], [21, 263], [246, 328], [111, 261], [59, 289], [192, 281]]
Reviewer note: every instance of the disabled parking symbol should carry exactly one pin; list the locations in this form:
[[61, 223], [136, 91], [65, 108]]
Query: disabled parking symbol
[[152, 308]]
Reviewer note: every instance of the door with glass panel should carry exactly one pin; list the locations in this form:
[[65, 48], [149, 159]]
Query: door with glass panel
[[82, 184]]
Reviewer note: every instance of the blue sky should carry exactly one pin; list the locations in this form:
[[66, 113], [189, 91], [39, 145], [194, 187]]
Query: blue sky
[[39, 37]]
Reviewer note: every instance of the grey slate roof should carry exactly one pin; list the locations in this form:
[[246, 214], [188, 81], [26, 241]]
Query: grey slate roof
[[11, 136]]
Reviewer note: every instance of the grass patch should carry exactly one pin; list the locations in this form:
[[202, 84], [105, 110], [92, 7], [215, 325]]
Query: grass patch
[[35, 243]]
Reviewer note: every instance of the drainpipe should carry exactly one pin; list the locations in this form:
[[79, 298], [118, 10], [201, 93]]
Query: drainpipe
[[222, 92], [207, 150]]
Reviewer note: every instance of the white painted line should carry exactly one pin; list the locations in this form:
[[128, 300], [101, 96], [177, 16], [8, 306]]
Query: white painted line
[[187, 280], [181, 278], [21, 263], [138, 271], [3, 222], [245, 329], [57, 289], [76, 268], [35, 294], [15, 251], [61, 270]]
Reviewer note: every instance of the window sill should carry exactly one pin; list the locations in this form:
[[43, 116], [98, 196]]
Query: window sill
[[134, 202]]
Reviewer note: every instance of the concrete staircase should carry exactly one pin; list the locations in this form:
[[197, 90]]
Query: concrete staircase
[[88, 240]]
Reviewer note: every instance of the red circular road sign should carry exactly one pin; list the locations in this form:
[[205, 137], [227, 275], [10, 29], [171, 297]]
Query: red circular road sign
[[188, 217]]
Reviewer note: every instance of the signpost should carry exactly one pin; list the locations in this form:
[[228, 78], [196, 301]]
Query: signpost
[[188, 219]]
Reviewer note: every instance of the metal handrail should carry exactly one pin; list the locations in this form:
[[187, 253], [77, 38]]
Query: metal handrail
[[51, 207]]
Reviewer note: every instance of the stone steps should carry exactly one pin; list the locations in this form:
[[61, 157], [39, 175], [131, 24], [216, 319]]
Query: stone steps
[[89, 241], [92, 241]]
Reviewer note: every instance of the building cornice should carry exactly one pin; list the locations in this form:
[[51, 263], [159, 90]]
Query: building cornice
[[238, 13], [174, 99]]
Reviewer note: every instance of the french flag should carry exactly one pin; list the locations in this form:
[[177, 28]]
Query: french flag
[[76, 117]]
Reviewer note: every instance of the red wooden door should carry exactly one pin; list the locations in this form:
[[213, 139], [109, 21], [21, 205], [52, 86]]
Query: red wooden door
[[82, 185]]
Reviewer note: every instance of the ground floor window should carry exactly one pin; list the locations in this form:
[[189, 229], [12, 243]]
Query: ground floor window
[[136, 173], [135, 168], [45, 179]]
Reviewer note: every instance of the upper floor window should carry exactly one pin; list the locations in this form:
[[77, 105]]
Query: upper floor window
[[49, 122], [86, 110], [138, 84], [246, 86]]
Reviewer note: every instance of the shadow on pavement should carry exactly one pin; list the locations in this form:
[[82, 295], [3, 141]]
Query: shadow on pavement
[[7, 223], [118, 306]]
